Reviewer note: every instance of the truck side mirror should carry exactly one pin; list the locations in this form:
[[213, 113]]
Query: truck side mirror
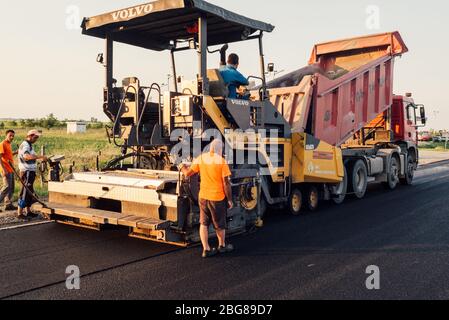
[[271, 67], [422, 111]]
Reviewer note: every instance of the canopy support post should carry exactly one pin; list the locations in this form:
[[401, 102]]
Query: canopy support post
[[109, 62], [262, 65], [202, 54], [109, 77], [173, 66]]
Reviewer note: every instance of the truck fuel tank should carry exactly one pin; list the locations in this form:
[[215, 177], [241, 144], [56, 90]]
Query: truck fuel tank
[[376, 165]]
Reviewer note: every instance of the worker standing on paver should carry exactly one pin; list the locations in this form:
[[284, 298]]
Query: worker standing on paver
[[232, 77], [215, 196], [7, 173], [28, 166]]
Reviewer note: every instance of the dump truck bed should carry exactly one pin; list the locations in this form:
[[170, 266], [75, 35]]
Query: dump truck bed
[[347, 84]]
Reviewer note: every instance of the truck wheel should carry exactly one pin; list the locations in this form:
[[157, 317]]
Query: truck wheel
[[295, 202], [313, 198], [393, 175], [409, 172], [359, 179], [341, 190]]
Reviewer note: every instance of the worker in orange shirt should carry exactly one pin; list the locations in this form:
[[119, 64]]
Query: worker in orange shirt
[[7, 156], [215, 196]]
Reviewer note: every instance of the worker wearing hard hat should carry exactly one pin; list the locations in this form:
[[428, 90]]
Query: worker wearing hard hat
[[215, 196], [232, 77], [28, 167]]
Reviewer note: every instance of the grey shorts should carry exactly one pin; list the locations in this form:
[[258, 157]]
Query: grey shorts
[[213, 212]]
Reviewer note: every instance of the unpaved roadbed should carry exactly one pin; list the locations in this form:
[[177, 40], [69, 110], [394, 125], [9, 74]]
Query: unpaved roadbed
[[9, 219], [428, 156]]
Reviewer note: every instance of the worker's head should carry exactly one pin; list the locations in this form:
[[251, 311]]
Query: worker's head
[[33, 136], [216, 147], [10, 134], [233, 60]]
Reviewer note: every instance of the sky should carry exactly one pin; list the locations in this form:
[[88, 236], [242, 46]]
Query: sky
[[48, 66]]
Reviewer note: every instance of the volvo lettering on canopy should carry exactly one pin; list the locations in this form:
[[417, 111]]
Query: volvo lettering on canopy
[[132, 13]]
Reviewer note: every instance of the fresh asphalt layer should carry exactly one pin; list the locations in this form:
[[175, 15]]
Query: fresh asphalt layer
[[321, 255]]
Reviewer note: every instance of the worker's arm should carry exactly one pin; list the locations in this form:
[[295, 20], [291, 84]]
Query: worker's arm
[[15, 153], [228, 191], [192, 170], [187, 172], [2, 152], [25, 154], [2, 164], [226, 174], [240, 79], [29, 157]]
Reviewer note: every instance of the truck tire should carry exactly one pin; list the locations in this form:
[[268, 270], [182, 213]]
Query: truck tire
[[392, 174], [409, 171], [341, 189], [295, 202], [312, 198], [358, 178]]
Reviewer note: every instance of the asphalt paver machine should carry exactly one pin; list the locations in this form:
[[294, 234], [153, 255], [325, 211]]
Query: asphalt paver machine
[[142, 189]]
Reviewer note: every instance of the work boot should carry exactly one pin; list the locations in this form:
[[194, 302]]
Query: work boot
[[21, 217], [32, 215], [228, 249], [10, 207], [209, 254]]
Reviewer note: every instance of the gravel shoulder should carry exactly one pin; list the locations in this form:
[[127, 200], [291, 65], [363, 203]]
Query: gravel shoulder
[[430, 156], [9, 219]]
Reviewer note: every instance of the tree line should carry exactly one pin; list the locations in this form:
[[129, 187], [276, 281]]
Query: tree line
[[48, 122]]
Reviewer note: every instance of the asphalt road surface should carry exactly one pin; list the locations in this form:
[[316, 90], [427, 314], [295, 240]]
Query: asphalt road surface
[[322, 255]]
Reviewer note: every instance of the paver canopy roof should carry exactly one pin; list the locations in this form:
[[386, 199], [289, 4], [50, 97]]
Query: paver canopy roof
[[154, 25]]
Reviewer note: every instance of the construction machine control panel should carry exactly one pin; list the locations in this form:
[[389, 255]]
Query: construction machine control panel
[[132, 100], [182, 106]]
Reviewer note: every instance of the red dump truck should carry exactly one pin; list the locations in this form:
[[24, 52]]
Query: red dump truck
[[345, 99]]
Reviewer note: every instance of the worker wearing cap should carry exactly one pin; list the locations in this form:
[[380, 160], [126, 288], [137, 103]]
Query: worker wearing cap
[[232, 77], [6, 171], [28, 167], [215, 196]]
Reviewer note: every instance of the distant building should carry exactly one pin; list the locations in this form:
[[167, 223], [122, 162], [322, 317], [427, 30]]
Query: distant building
[[76, 127]]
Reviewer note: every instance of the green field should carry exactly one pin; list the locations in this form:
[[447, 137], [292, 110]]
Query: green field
[[79, 148], [436, 146]]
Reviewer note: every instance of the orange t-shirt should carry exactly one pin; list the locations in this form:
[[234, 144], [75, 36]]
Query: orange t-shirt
[[212, 169], [6, 152]]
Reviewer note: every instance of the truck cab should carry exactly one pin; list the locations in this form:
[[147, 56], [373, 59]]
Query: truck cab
[[406, 118]]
